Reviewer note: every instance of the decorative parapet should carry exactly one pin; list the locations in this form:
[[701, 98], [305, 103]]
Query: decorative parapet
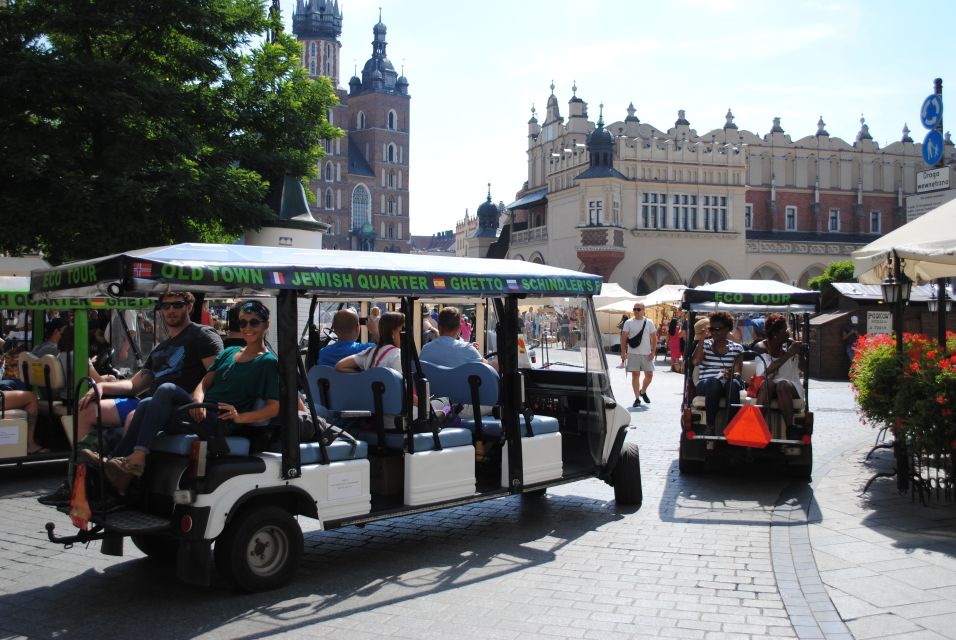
[[602, 236], [805, 248], [537, 234]]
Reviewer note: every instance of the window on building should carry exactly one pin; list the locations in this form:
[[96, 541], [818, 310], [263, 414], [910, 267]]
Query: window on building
[[328, 199], [790, 219], [313, 59], [875, 222], [361, 207], [596, 212], [328, 59], [748, 216], [361, 120], [834, 221], [390, 207], [390, 232], [392, 120], [391, 179], [329, 173], [390, 153]]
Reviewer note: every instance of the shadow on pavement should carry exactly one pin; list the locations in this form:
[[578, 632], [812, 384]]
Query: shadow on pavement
[[739, 494], [344, 572]]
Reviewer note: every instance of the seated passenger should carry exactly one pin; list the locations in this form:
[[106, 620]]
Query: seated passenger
[[780, 368], [237, 378], [387, 353], [52, 332], [234, 335], [716, 358], [345, 325], [447, 350], [27, 401]]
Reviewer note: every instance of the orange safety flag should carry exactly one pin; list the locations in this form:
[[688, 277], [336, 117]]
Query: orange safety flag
[[748, 428], [80, 512]]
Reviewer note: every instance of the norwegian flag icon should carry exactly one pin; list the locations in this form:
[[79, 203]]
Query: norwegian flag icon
[[142, 270]]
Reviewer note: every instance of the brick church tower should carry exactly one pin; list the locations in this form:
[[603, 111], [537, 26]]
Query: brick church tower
[[362, 188]]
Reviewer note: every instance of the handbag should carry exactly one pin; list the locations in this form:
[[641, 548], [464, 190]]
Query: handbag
[[635, 341]]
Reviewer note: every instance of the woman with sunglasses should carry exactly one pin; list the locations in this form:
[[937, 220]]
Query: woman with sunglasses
[[781, 370], [716, 359], [238, 377]]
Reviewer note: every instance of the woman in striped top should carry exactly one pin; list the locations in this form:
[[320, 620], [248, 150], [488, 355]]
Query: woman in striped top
[[719, 369]]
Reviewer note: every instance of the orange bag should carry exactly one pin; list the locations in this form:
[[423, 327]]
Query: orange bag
[[80, 512], [753, 387], [748, 428]]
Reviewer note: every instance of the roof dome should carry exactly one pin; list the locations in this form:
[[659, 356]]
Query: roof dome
[[487, 215]]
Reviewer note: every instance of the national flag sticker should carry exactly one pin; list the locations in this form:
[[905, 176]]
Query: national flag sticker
[[278, 278], [512, 283], [142, 270], [438, 283]]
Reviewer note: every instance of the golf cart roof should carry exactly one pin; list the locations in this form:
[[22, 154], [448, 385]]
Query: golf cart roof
[[244, 270], [745, 296]]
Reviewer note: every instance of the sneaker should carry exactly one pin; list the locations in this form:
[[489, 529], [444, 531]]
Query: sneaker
[[645, 398], [637, 402], [59, 497]]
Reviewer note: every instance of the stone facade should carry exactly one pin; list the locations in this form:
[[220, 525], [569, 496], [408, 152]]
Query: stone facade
[[361, 190], [678, 206]]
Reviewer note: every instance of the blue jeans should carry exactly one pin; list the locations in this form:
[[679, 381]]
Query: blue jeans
[[153, 415], [713, 389]]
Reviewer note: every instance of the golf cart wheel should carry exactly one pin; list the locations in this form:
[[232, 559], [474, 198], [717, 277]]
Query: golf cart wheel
[[260, 549], [802, 470], [627, 476], [684, 465], [536, 494], [157, 548]]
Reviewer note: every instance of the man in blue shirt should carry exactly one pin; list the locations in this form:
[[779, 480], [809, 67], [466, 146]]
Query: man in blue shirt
[[345, 326], [447, 350]]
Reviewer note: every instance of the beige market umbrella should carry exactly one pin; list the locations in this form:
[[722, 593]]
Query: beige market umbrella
[[927, 246]]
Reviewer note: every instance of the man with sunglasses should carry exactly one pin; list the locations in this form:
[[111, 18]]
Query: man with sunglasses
[[640, 357], [182, 359]]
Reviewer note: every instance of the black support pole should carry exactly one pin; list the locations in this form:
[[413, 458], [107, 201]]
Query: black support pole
[[941, 312], [286, 328]]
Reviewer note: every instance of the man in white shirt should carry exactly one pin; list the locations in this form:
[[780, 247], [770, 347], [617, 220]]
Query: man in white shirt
[[447, 350], [639, 357]]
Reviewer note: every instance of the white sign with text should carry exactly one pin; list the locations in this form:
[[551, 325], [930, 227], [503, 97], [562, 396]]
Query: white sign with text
[[879, 322]]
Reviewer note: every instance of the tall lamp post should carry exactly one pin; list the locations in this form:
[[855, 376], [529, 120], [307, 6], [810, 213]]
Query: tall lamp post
[[896, 293]]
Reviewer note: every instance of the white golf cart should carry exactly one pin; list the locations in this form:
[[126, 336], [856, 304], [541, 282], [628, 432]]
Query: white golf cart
[[701, 443], [529, 429]]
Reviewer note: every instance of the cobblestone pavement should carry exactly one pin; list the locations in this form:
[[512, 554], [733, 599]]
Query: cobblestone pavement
[[741, 554]]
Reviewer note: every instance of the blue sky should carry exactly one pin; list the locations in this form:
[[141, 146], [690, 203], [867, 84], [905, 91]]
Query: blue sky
[[475, 69]]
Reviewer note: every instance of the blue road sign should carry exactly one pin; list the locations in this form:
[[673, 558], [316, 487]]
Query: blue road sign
[[932, 148], [931, 112]]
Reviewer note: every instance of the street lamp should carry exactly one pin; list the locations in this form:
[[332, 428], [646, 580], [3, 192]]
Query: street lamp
[[896, 291], [933, 302]]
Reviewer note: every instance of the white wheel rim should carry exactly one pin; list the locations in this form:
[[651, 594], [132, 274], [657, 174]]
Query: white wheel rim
[[267, 550]]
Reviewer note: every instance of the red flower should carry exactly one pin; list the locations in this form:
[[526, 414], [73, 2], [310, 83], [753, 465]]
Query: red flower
[[941, 399]]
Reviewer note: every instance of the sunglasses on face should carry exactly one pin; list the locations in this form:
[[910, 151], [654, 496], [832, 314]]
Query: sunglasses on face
[[162, 306], [638, 308], [252, 322]]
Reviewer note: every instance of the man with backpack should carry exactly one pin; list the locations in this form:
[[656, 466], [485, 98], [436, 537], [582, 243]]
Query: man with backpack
[[638, 339]]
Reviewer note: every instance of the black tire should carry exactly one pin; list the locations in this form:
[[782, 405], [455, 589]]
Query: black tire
[[260, 549], [685, 466], [536, 494], [627, 476], [802, 470], [159, 549]]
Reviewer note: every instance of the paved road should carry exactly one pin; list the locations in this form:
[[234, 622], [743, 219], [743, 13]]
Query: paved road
[[715, 556]]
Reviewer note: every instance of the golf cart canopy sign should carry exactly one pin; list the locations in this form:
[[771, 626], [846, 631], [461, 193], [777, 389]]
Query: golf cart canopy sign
[[735, 298], [312, 279]]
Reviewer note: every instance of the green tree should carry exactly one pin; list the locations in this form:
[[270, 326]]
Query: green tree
[[841, 271], [131, 124]]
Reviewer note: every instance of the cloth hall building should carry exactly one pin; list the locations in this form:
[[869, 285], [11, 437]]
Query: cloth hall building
[[644, 206]]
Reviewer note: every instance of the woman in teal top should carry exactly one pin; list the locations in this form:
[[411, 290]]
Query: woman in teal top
[[236, 380]]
